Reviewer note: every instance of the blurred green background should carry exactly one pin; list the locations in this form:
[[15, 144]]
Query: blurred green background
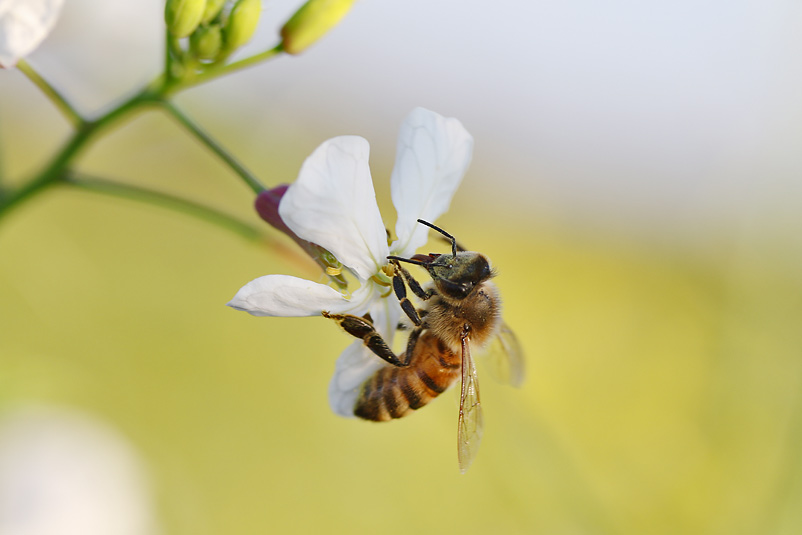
[[664, 372]]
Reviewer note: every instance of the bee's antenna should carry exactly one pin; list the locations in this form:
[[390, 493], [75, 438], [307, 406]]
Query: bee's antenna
[[411, 261], [444, 233]]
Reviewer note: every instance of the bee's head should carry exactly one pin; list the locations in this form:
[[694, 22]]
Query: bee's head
[[457, 275]]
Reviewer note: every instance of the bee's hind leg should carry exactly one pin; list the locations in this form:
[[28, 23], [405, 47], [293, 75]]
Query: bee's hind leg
[[360, 327]]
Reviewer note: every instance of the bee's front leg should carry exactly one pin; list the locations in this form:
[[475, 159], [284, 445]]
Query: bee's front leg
[[402, 279], [361, 327]]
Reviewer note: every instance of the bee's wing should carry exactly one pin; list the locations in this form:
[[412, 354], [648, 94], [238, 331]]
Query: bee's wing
[[471, 421], [505, 357]]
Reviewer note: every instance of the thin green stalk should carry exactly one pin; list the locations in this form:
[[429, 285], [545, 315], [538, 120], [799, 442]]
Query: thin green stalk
[[51, 174], [168, 57], [136, 193], [55, 171], [155, 93], [216, 72], [247, 177], [52, 93]]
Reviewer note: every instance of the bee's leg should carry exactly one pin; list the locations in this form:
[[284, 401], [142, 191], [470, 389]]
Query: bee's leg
[[363, 328], [413, 284], [406, 305], [404, 326], [401, 292], [411, 343]]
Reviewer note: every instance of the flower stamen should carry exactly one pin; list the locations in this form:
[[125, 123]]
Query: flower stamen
[[381, 278]]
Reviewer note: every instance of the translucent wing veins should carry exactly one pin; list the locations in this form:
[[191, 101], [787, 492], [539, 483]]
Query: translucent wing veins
[[471, 421]]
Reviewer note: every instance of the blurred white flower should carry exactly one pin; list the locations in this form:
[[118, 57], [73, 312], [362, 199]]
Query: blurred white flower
[[63, 473], [333, 204], [23, 25]]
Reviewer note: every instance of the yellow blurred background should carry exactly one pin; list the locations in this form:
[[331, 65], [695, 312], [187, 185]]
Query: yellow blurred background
[[664, 369]]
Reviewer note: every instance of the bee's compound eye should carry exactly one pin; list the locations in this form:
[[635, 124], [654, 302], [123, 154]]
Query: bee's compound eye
[[454, 289]]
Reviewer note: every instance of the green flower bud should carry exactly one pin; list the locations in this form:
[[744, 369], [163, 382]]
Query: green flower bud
[[206, 42], [241, 24], [311, 22], [183, 16], [213, 8]]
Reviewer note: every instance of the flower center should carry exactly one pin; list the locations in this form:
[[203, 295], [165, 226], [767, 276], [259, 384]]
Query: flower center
[[384, 277]]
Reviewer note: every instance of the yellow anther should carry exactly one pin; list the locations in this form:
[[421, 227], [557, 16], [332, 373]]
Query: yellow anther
[[381, 279], [333, 271]]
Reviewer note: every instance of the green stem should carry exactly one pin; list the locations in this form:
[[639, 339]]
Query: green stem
[[52, 93], [154, 93], [55, 171], [216, 72], [247, 177], [168, 57], [136, 193], [51, 175]]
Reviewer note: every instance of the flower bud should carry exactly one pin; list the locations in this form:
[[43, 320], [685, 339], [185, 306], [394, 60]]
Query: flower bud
[[206, 42], [266, 205], [311, 22], [183, 16], [213, 8], [241, 24]]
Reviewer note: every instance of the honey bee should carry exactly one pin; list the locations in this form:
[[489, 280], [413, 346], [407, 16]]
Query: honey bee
[[461, 309]]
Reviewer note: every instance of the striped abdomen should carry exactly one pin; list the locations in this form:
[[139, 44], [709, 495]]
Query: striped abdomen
[[395, 392]]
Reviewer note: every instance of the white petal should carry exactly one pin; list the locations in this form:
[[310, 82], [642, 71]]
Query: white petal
[[433, 154], [333, 205], [282, 295], [23, 25], [357, 363], [353, 367]]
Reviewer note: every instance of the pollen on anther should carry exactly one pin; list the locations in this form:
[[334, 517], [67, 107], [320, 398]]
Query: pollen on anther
[[333, 271]]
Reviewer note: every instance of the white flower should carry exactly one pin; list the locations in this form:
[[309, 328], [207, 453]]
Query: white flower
[[333, 204], [23, 25]]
